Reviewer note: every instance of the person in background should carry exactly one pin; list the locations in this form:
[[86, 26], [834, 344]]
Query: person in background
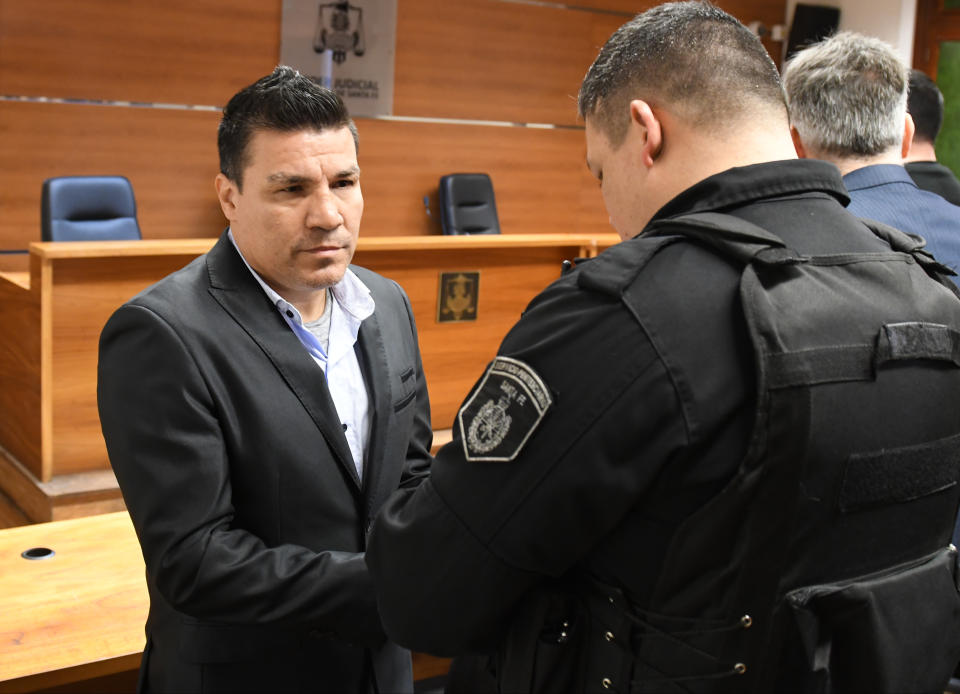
[[847, 97], [258, 406], [925, 106], [684, 441]]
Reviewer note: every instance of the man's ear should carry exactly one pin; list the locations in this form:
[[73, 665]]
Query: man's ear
[[227, 193], [798, 143], [642, 116], [909, 128]]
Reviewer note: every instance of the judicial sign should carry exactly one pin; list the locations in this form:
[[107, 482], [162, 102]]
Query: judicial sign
[[346, 46]]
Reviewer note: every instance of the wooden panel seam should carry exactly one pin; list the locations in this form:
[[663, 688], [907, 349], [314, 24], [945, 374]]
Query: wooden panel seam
[[45, 284]]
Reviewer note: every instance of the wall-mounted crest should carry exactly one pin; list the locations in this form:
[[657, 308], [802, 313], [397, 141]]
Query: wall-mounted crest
[[459, 296], [347, 46], [340, 30]]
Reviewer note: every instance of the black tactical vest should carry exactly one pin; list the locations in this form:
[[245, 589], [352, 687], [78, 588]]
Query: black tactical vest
[[825, 565]]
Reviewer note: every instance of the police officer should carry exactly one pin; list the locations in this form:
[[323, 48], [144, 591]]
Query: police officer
[[684, 443]]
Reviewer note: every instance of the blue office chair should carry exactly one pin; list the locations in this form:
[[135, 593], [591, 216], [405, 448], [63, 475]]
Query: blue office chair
[[88, 208], [467, 204]]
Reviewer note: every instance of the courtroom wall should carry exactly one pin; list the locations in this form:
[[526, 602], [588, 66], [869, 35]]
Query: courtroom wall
[[134, 88]]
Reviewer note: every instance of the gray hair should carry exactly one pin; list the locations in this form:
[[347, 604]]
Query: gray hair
[[690, 55], [847, 95]]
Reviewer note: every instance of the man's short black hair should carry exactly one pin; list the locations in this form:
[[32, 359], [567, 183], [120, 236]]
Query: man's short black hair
[[285, 101], [690, 55], [925, 106]]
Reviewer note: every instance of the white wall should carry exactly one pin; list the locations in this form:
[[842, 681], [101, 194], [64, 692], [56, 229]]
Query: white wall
[[890, 20]]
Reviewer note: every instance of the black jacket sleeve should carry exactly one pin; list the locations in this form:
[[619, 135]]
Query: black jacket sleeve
[[452, 559]]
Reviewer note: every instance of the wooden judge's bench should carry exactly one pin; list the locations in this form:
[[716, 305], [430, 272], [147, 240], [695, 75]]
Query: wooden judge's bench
[[53, 460], [73, 621]]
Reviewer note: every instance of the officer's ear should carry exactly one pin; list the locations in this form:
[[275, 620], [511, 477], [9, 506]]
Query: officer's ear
[[646, 125]]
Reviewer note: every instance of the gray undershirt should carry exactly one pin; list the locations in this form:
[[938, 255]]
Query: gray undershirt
[[320, 328]]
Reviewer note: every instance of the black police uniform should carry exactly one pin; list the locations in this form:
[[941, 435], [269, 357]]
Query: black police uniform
[[630, 419]]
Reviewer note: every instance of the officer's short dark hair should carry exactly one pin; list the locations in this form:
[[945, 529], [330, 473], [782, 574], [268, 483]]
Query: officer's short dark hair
[[925, 106], [285, 101], [691, 55]]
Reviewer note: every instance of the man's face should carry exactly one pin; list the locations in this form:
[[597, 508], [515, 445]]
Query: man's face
[[298, 217], [621, 179]]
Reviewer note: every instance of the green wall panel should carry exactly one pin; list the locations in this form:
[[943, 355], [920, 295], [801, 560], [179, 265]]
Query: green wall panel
[[948, 79]]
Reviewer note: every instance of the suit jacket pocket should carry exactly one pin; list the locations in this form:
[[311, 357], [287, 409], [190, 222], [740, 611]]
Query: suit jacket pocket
[[406, 390]]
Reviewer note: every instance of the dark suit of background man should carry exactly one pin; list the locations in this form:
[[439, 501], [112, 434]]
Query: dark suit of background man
[[847, 97], [925, 106], [259, 405], [596, 523]]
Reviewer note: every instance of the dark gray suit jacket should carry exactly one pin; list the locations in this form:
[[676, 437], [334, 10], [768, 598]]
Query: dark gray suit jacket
[[242, 489]]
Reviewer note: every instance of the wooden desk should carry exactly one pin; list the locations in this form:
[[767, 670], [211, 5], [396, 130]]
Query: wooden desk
[[75, 621], [77, 615], [53, 461]]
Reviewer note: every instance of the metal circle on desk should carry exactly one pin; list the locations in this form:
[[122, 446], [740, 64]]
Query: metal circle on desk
[[35, 553]]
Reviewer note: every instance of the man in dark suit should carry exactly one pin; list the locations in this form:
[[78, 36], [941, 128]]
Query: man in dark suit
[[925, 106], [258, 407]]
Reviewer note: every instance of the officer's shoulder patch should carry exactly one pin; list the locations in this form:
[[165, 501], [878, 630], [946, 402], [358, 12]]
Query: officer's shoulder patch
[[503, 411]]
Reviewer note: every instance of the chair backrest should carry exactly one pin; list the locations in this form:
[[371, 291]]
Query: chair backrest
[[88, 208], [467, 204]]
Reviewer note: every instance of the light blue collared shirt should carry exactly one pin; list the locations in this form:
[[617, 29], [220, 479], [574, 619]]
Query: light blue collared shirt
[[351, 305]]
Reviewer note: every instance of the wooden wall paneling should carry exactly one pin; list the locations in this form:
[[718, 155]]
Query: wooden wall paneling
[[85, 292], [539, 175], [625, 7], [540, 178], [498, 68], [769, 12], [20, 373], [513, 62], [170, 157], [482, 59], [201, 52], [176, 51], [18, 262]]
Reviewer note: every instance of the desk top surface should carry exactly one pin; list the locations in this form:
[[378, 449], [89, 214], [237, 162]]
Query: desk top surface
[[84, 606], [87, 249]]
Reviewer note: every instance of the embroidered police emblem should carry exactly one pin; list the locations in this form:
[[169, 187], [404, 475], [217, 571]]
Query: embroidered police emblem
[[503, 411]]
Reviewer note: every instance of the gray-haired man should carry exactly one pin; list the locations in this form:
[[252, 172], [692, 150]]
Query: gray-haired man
[[847, 97]]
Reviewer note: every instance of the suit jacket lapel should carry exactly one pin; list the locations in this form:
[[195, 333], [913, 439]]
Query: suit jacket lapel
[[373, 360], [238, 292]]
